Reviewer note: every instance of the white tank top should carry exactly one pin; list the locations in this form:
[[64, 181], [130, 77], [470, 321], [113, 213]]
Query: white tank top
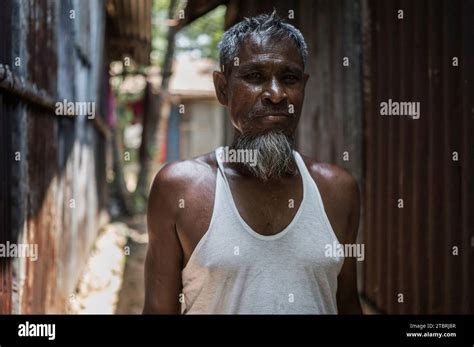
[[235, 270]]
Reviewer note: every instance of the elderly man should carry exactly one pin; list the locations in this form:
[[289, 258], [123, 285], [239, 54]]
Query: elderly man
[[233, 235]]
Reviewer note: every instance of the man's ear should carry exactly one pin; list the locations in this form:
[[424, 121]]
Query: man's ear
[[220, 84]]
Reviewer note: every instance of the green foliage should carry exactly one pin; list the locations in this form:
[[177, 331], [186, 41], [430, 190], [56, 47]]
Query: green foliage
[[139, 203], [201, 36], [159, 30]]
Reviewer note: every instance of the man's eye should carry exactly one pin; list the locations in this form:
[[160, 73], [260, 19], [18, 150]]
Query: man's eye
[[291, 78], [254, 75]]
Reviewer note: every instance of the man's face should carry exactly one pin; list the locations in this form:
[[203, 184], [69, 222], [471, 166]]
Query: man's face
[[265, 90]]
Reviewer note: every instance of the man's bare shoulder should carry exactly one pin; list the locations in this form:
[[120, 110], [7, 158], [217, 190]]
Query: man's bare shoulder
[[340, 193], [185, 174], [330, 175]]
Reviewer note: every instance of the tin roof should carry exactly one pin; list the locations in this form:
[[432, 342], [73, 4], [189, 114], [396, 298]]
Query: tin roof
[[128, 30]]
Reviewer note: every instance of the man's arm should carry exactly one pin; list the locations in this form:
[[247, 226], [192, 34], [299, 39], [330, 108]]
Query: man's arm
[[164, 256], [347, 295], [341, 198]]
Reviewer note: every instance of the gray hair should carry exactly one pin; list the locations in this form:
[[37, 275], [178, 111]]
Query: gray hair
[[266, 25]]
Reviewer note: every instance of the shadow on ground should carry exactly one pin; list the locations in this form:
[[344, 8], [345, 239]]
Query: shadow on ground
[[132, 293]]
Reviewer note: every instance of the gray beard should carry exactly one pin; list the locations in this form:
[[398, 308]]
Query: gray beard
[[274, 154]]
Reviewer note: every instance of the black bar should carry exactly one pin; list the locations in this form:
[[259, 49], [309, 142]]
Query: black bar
[[225, 329]]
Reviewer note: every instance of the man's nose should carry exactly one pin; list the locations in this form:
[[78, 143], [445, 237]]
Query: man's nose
[[274, 92]]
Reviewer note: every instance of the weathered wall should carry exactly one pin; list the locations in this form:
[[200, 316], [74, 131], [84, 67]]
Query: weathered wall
[[57, 185], [410, 249]]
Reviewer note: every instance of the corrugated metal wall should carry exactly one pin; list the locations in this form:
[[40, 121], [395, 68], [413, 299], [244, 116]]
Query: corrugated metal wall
[[5, 172], [330, 129], [57, 187], [409, 250]]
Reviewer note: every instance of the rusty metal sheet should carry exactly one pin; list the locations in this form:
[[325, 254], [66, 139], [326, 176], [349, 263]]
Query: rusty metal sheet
[[51, 171], [5, 174], [413, 159]]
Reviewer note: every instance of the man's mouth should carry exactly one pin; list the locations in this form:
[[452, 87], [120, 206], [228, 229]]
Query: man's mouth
[[274, 115]]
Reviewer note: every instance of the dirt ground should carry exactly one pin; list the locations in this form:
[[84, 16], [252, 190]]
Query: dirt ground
[[113, 278], [132, 294]]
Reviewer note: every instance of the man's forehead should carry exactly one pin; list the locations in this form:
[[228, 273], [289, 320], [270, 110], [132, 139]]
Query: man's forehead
[[261, 49]]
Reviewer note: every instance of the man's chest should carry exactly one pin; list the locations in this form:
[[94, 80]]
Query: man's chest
[[267, 208]]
